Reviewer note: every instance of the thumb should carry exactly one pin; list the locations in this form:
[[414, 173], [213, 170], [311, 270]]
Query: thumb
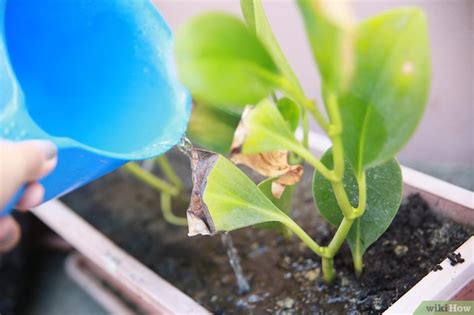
[[9, 234], [22, 162]]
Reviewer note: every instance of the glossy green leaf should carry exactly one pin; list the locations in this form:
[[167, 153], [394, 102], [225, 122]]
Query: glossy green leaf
[[330, 32], [389, 89], [222, 62], [248, 11], [290, 111], [254, 15], [266, 122], [233, 199], [384, 193], [212, 128], [284, 202]]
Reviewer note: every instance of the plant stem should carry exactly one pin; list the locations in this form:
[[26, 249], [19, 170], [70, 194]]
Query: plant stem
[[295, 228], [347, 221], [305, 125], [344, 228], [340, 236], [358, 263], [151, 179], [317, 164], [168, 215], [274, 97], [342, 199], [169, 172], [328, 269]]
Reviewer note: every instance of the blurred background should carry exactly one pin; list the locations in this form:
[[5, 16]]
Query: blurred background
[[443, 145]]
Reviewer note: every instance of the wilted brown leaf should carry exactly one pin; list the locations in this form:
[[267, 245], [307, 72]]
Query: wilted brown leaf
[[269, 164], [199, 218]]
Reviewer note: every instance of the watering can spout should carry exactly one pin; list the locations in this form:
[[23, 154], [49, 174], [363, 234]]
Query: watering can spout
[[95, 77]]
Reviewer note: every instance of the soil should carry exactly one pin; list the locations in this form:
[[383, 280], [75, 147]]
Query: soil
[[285, 276]]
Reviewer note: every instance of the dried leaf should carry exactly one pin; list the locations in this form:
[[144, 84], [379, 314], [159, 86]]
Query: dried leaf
[[269, 164], [199, 218], [277, 189]]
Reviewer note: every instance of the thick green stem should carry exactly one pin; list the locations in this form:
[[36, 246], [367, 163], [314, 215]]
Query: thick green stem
[[169, 172], [328, 269], [358, 263], [314, 162], [347, 221], [361, 183], [151, 179], [339, 237], [295, 228], [168, 215], [342, 199]]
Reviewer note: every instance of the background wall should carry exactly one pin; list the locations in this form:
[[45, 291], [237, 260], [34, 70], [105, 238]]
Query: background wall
[[443, 144]]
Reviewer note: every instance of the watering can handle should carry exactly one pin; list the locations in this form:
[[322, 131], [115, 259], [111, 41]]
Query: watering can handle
[[7, 209]]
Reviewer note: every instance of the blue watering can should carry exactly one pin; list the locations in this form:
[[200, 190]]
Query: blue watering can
[[96, 77]]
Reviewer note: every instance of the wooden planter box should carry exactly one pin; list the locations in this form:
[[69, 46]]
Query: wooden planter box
[[137, 282], [441, 285], [102, 259]]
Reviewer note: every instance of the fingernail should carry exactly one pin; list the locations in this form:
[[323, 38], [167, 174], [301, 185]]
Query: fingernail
[[48, 148]]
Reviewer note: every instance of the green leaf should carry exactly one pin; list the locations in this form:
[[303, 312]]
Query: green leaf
[[222, 62], [384, 193], [290, 111], [254, 15], [266, 122], [234, 201], [212, 128], [389, 90], [284, 202], [248, 11], [329, 28]]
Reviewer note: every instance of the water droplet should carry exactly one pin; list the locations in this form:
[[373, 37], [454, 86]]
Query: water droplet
[[185, 146]]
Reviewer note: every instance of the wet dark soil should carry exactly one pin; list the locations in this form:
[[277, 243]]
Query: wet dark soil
[[285, 276]]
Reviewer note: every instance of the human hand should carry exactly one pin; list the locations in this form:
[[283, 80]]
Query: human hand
[[22, 163]]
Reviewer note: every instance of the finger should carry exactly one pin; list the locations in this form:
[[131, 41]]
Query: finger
[[22, 162], [36, 157], [32, 197], [10, 234]]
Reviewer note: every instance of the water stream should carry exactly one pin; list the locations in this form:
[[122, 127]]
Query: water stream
[[234, 260]]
